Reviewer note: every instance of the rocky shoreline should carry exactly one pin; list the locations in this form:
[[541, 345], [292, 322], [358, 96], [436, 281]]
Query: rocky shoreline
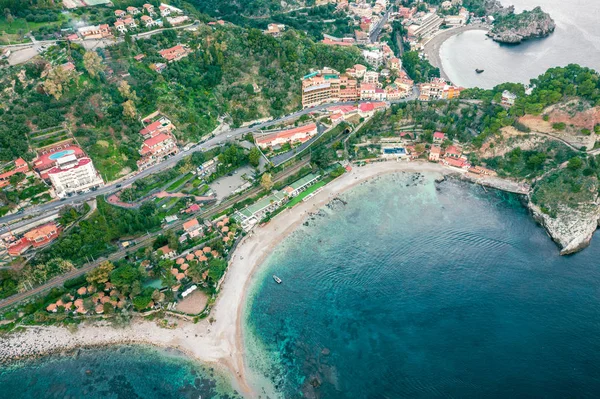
[[572, 229]]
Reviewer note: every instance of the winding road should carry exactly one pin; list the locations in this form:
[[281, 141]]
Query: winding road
[[166, 164]]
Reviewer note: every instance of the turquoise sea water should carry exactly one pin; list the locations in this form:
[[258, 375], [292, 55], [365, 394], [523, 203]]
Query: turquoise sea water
[[426, 291], [118, 372]]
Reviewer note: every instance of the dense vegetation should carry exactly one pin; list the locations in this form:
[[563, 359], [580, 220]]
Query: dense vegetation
[[555, 85], [419, 69], [215, 79], [573, 187], [227, 8], [531, 163], [94, 237]]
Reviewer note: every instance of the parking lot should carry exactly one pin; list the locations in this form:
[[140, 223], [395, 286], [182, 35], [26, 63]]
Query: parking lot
[[226, 185]]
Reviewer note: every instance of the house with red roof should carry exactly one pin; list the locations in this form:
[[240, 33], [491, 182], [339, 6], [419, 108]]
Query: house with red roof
[[174, 53], [164, 10], [368, 109], [435, 153], [167, 253], [192, 208], [19, 166], [120, 13], [193, 228], [457, 163], [274, 30], [157, 148], [120, 26], [453, 152], [162, 125], [438, 137], [395, 64], [133, 10], [300, 134], [148, 21], [149, 8], [36, 238]]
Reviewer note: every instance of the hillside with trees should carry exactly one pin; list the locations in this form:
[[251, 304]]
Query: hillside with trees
[[234, 72]]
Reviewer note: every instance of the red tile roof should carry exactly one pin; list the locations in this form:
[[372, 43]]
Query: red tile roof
[[159, 138], [287, 133], [452, 150], [80, 162], [366, 107], [150, 128], [456, 162], [173, 52], [190, 224]]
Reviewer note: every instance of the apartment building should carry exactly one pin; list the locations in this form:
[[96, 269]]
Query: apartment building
[[72, 175], [373, 57], [438, 89], [157, 148], [424, 26], [371, 77], [323, 86]]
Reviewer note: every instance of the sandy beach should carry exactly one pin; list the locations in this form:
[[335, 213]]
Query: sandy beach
[[432, 47], [219, 343]]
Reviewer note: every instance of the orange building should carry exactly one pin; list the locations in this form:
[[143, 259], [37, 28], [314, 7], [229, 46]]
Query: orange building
[[37, 237]]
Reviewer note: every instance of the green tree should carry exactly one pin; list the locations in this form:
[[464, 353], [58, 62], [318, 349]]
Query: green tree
[[575, 163], [254, 156]]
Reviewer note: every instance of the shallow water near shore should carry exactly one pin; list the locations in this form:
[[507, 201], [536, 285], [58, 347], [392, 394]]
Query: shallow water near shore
[[114, 372], [413, 289]]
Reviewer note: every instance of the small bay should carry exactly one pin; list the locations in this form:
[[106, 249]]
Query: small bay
[[575, 40], [408, 288]]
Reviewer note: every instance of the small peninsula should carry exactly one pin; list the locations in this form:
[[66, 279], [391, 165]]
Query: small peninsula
[[512, 28]]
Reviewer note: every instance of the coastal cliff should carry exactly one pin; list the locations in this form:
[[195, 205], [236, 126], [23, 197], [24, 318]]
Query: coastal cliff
[[571, 229], [514, 28]]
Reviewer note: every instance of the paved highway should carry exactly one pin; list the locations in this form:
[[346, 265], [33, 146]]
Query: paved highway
[[166, 164], [374, 35]]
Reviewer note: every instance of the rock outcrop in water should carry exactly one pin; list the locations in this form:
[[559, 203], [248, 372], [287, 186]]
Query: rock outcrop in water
[[571, 229], [515, 28]]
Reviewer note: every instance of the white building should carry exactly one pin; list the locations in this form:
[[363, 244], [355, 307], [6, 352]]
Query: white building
[[508, 98], [371, 77], [73, 174], [373, 57]]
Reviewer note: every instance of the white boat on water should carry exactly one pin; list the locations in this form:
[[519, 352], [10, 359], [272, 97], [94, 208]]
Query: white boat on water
[[277, 279]]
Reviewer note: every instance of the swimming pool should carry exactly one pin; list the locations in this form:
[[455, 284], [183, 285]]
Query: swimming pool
[[60, 154]]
